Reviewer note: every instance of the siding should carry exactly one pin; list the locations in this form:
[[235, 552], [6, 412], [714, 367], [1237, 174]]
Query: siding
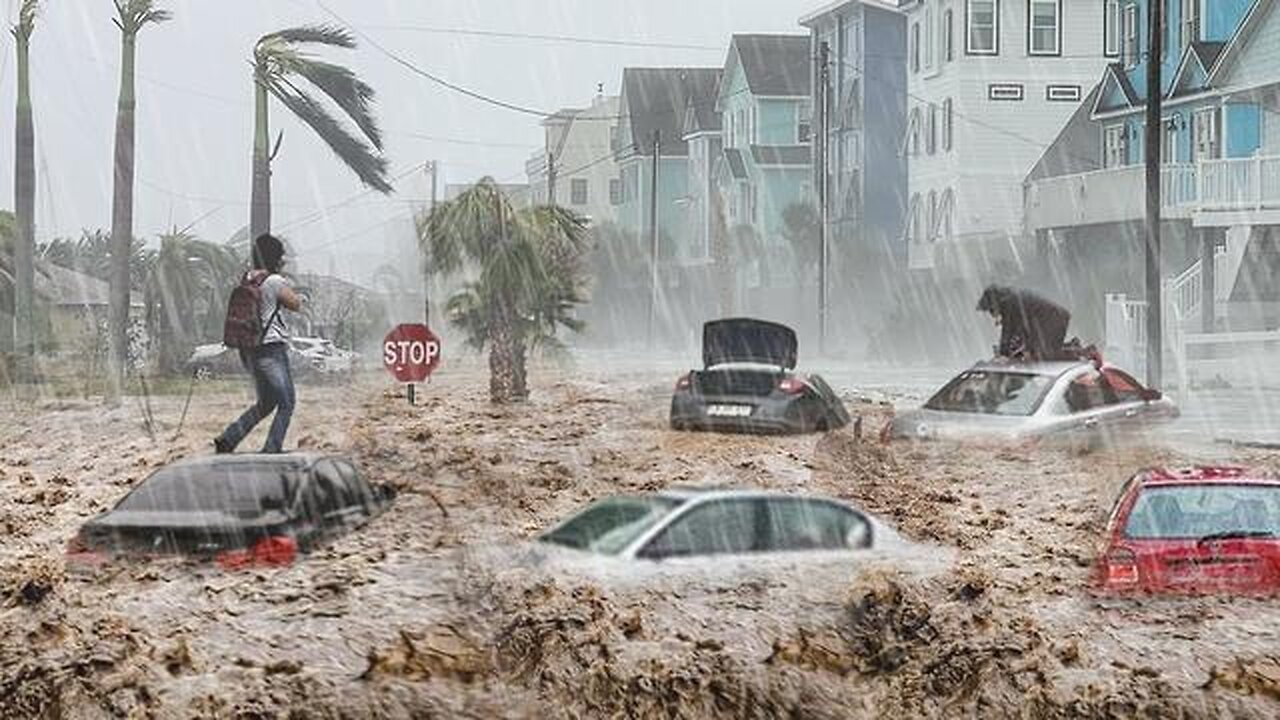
[[1242, 130], [1259, 61]]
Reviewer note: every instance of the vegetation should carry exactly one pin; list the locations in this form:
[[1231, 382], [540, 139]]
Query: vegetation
[[186, 288], [131, 17], [280, 60], [22, 333], [525, 274]]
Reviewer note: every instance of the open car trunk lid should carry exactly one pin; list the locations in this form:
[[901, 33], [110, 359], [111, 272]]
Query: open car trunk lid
[[166, 533], [746, 340]]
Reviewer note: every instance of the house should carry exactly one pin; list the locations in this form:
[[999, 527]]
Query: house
[[865, 42], [76, 307], [1220, 175], [578, 146], [990, 84]]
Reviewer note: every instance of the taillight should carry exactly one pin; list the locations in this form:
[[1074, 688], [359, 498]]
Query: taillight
[[792, 386], [269, 552], [685, 382], [1121, 567], [77, 545]]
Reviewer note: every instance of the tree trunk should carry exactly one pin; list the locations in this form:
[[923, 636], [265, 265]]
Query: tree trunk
[[21, 336], [503, 360], [121, 224], [260, 201]]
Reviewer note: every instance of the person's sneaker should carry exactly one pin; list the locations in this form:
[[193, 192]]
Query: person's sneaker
[[220, 446]]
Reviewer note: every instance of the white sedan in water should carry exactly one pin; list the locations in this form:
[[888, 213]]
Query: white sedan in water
[[1003, 400]]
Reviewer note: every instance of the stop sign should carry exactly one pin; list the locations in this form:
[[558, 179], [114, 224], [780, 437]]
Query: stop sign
[[411, 352]]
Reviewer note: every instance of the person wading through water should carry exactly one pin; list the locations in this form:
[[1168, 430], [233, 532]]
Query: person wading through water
[[255, 325], [1031, 327]]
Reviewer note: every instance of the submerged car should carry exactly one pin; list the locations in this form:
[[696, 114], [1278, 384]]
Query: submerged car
[[1069, 400], [691, 523], [236, 509], [1201, 530], [323, 356], [749, 384]]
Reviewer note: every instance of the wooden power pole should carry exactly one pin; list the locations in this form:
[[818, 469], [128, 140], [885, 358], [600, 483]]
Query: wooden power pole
[[653, 236], [824, 191], [1154, 143]]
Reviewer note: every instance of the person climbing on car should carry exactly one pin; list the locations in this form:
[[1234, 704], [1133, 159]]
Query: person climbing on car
[[1031, 327], [255, 326]]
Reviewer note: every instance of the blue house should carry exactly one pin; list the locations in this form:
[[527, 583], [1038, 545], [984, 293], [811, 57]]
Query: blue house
[[1220, 177]]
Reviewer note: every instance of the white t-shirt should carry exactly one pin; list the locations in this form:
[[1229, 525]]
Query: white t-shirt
[[276, 332]]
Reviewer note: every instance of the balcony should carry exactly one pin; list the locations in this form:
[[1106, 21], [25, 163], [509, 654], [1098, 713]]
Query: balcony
[[1118, 194]]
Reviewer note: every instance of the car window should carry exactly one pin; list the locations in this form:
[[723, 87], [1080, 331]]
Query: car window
[[1194, 511], [1088, 392], [359, 491], [611, 525], [796, 524], [1126, 389], [327, 493], [719, 527], [992, 393], [236, 488]]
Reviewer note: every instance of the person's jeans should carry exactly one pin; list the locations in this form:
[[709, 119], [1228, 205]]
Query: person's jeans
[[269, 365]]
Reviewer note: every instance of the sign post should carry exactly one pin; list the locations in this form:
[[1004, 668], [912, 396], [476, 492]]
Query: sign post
[[411, 353]]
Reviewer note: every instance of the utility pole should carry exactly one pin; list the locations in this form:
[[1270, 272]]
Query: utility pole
[[551, 179], [653, 236], [1155, 92], [433, 169], [824, 189]]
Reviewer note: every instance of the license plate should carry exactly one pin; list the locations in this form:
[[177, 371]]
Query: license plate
[[729, 410]]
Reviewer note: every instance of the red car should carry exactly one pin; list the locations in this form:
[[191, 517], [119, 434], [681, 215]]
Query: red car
[[1200, 530]]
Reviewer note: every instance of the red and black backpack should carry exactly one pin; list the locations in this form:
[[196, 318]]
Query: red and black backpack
[[243, 327]]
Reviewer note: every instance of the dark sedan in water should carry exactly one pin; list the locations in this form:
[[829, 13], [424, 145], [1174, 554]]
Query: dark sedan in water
[[749, 384], [237, 509]]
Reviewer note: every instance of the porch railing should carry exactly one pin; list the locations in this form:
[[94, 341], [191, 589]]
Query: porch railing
[[1240, 183]]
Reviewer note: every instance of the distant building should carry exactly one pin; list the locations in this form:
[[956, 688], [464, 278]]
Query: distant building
[[579, 147]]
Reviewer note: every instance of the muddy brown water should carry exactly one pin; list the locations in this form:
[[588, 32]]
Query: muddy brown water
[[430, 611]]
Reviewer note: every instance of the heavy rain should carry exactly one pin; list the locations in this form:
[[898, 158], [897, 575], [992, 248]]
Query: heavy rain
[[724, 358]]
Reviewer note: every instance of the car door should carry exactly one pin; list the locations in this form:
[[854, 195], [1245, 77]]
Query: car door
[[1131, 397], [724, 528], [807, 527], [1092, 405]]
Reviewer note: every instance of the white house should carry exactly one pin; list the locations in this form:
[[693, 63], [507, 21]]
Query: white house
[[990, 84]]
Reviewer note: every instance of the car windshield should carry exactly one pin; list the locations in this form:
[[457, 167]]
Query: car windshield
[[992, 393], [1205, 511], [609, 526], [237, 488]]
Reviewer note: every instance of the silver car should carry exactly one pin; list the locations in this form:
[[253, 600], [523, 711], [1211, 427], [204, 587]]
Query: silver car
[[692, 523], [1074, 401]]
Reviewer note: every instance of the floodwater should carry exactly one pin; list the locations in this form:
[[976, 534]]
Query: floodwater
[[436, 608]]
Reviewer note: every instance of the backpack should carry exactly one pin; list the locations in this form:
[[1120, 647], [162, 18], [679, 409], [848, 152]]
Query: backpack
[[243, 327]]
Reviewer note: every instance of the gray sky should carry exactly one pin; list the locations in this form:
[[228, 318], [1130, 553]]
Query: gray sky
[[195, 105]]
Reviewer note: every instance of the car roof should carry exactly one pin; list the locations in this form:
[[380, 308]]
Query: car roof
[[1052, 368], [1205, 475], [687, 493], [286, 460]]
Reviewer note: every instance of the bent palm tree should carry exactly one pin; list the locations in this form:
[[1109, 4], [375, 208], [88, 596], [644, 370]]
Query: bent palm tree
[[528, 277], [278, 61], [131, 17], [21, 333], [186, 287]]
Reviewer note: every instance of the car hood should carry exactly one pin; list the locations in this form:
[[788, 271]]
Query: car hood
[[745, 340], [928, 424]]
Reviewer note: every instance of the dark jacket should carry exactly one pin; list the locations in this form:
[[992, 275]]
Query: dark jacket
[[1028, 322]]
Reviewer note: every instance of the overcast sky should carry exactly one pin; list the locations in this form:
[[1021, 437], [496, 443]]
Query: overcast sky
[[195, 111]]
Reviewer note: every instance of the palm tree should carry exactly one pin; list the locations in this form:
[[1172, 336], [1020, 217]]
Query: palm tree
[[8, 228], [131, 17], [527, 277], [21, 334], [279, 61], [186, 286]]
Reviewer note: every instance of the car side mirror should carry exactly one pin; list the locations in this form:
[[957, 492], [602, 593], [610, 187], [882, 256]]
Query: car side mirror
[[858, 537], [1150, 395]]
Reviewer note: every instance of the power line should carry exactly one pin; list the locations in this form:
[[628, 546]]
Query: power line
[[572, 39]]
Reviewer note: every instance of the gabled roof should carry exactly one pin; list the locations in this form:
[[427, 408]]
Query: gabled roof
[[65, 287], [1116, 91], [659, 99], [737, 168], [699, 119], [810, 18], [774, 65], [780, 155], [1076, 149], [1192, 74], [1230, 55]]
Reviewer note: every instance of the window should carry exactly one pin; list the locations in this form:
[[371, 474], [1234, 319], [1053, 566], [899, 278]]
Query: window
[[1197, 511], [357, 489], [1169, 137], [932, 226], [931, 130], [1111, 28], [929, 23], [1123, 385], [1005, 91], [578, 191], [947, 210], [915, 47], [610, 525], [719, 527], [948, 124], [915, 132], [1207, 135], [1190, 22], [992, 393], [1062, 93], [615, 191], [1044, 27], [917, 224], [796, 524], [751, 127], [948, 36], [1115, 146], [804, 123], [1088, 392], [326, 494], [982, 35], [1129, 37]]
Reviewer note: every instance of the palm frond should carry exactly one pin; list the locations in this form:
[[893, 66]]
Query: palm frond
[[347, 91], [469, 311], [26, 19], [370, 167], [314, 34], [133, 15]]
